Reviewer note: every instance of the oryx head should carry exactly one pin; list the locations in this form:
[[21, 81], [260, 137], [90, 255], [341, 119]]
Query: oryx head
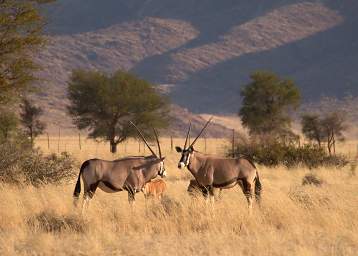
[[158, 162], [187, 152]]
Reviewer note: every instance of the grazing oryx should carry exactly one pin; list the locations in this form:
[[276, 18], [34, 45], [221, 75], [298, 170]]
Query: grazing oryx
[[129, 173], [154, 189], [213, 173]]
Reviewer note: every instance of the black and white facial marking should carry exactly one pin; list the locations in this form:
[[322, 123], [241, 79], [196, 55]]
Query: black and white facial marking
[[185, 156], [162, 172]]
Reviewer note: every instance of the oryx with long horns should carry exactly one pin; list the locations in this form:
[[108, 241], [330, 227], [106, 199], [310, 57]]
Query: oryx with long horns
[[129, 173], [213, 173]]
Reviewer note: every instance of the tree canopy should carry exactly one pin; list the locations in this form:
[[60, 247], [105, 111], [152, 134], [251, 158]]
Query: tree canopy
[[20, 37], [267, 102], [30, 119], [104, 104]]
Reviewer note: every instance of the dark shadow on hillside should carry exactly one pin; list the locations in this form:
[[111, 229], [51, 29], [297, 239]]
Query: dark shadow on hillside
[[212, 18], [323, 64]]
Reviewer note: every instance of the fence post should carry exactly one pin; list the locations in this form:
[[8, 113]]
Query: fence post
[[171, 143], [48, 141], [79, 140], [59, 138], [139, 146], [233, 143], [205, 143]]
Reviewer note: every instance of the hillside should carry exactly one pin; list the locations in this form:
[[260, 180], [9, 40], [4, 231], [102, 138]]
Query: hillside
[[202, 52]]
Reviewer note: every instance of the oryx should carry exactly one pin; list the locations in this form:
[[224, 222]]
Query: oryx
[[213, 173], [129, 173]]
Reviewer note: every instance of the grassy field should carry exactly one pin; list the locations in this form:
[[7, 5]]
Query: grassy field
[[293, 219]]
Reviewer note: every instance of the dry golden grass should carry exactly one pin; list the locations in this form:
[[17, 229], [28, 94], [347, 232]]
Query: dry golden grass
[[293, 219]]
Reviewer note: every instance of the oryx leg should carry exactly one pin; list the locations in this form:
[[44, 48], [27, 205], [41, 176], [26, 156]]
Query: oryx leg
[[88, 195], [216, 193], [248, 189], [131, 197]]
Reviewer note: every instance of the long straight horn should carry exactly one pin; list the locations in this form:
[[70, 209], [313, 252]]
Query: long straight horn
[[157, 138], [145, 141], [187, 136], [197, 137]]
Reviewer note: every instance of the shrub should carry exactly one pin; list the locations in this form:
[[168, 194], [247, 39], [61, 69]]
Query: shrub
[[52, 222], [20, 164], [312, 179], [275, 153]]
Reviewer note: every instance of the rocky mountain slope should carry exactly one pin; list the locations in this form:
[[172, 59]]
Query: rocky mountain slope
[[202, 52]]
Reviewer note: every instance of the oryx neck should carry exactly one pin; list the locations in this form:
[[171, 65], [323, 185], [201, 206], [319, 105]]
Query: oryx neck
[[196, 161], [150, 171]]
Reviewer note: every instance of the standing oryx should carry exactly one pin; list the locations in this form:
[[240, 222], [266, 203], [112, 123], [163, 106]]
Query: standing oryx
[[214, 173], [129, 173]]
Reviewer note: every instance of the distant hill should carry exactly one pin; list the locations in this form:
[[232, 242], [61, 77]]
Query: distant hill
[[202, 52]]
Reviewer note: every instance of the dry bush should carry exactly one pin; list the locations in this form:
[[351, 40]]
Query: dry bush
[[51, 222], [275, 154], [23, 165], [312, 179]]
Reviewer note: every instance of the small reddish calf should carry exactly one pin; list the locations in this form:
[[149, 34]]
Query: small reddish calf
[[154, 189]]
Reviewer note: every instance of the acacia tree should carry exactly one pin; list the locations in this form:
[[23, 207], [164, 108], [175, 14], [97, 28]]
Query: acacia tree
[[334, 126], [20, 37], [267, 103], [8, 125], [326, 128], [312, 128], [30, 119], [104, 104]]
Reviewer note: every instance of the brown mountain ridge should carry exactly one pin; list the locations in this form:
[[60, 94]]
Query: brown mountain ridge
[[202, 52]]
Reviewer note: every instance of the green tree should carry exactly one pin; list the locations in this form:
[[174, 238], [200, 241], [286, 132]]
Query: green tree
[[20, 37], [333, 125], [267, 103], [312, 128], [30, 119], [8, 125], [105, 104], [328, 127]]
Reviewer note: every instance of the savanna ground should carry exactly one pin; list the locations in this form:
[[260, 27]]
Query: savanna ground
[[293, 219]]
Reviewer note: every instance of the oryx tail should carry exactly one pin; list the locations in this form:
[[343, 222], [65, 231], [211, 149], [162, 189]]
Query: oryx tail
[[258, 188], [77, 190]]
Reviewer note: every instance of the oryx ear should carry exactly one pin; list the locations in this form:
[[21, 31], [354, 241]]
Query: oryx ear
[[178, 149], [190, 149], [162, 159]]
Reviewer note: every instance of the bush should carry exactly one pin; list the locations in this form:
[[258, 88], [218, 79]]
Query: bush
[[52, 222], [312, 179], [20, 164], [274, 154]]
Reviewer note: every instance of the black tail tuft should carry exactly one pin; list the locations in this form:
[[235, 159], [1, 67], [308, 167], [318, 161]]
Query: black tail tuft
[[77, 191], [258, 188]]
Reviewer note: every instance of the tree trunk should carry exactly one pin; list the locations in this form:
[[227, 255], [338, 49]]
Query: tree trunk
[[329, 145], [31, 137], [334, 144], [113, 146]]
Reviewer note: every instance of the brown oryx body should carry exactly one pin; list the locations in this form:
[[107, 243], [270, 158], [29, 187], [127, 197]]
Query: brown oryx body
[[129, 174], [213, 173], [195, 189]]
